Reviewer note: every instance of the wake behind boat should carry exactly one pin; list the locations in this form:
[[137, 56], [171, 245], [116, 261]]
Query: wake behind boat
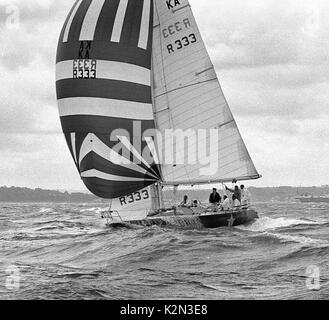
[[142, 109]]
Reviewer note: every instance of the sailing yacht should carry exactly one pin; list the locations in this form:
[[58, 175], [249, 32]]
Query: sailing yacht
[[142, 110]]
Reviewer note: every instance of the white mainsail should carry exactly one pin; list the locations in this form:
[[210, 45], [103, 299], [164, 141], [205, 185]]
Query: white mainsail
[[187, 95]]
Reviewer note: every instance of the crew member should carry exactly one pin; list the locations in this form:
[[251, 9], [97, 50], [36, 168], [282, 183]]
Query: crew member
[[236, 192], [245, 196], [195, 204], [215, 198], [236, 202], [185, 203], [226, 205]]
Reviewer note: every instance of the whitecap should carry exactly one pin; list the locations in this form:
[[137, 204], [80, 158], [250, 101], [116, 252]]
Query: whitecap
[[299, 239], [266, 223], [46, 210]]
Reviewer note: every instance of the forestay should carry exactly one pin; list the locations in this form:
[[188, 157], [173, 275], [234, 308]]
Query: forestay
[[187, 95], [104, 85]]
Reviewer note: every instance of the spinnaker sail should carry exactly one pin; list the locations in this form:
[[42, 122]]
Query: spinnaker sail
[[104, 94]]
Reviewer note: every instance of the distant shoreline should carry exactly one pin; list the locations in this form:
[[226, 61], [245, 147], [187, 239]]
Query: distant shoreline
[[26, 195]]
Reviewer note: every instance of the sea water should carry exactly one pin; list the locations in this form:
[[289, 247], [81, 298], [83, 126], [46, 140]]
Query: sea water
[[65, 251]]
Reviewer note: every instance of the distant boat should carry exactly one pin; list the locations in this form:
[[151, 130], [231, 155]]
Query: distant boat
[[127, 62], [310, 198]]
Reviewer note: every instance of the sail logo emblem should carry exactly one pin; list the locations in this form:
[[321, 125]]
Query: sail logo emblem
[[84, 50], [172, 3], [84, 69]]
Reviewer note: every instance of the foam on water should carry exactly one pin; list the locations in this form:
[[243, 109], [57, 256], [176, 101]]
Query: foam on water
[[266, 223], [299, 239], [96, 210], [46, 210]]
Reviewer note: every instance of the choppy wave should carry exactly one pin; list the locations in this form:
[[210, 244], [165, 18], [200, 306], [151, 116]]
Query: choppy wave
[[266, 223], [46, 210], [286, 238], [66, 252], [94, 209], [274, 230]]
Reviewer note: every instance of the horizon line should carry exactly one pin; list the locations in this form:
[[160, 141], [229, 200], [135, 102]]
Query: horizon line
[[182, 188]]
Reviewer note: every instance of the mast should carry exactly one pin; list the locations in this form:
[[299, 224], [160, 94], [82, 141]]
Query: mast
[[157, 197], [156, 189]]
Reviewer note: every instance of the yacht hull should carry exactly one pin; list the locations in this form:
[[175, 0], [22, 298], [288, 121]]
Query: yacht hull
[[207, 220]]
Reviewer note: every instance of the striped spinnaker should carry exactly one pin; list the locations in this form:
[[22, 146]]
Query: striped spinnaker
[[103, 84]]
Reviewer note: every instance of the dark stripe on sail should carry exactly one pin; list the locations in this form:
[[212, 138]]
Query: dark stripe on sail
[[132, 23], [106, 19], [94, 161], [113, 189], [79, 139], [107, 141], [108, 51], [150, 41], [69, 143], [111, 144], [106, 89], [101, 125], [66, 21], [77, 22]]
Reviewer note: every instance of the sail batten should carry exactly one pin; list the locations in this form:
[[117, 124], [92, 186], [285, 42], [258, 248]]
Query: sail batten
[[185, 86]]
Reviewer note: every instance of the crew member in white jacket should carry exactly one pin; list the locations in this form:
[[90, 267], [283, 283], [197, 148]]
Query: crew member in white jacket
[[226, 205], [245, 196]]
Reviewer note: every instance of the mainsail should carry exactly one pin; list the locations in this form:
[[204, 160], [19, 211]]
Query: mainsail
[[187, 94], [104, 93]]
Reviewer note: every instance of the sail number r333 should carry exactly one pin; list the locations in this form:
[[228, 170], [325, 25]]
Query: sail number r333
[[134, 197], [181, 43]]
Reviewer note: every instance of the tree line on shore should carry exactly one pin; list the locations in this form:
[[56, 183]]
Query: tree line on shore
[[16, 194]]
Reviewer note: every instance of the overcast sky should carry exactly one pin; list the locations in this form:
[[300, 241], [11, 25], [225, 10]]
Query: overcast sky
[[272, 59]]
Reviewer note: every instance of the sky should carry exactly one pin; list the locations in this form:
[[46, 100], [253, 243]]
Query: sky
[[271, 57]]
